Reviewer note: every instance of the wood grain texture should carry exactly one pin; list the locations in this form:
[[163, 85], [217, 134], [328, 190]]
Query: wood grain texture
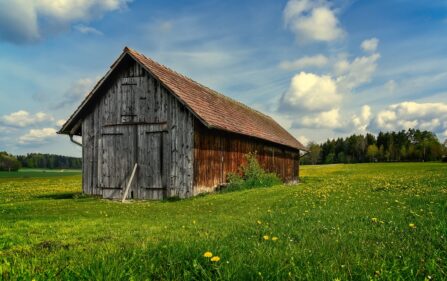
[[137, 120], [217, 153]]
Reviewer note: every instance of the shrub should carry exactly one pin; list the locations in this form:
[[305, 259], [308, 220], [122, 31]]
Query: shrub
[[251, 175]]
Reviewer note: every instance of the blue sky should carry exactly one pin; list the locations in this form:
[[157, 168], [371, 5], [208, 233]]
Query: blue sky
[[322, 69]]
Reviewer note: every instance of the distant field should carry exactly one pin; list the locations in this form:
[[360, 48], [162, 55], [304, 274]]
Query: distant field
[[39, 173], [343, 222]]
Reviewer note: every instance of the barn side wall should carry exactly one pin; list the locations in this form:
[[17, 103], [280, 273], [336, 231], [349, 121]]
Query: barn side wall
[[217, 153], [154, 104]]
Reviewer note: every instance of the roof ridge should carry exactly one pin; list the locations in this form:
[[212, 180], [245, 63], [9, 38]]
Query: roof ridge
[[201, 85], [214, 109]]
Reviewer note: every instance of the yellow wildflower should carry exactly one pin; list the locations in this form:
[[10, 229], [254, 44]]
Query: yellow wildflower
[[412, 225], [259, 222], [266, 237], [374, 220], [208, 254], [274, 238], [215, 259]]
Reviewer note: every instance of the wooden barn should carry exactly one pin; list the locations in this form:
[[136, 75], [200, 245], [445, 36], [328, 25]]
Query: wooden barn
[[176, 136]]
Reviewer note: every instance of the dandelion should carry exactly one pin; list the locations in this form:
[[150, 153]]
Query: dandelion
[[266, 237], [208, 254], [412, 225], [274, 238], [215, 259]]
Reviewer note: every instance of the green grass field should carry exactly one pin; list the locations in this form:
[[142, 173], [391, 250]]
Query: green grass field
[[343, 222], [39, 173]]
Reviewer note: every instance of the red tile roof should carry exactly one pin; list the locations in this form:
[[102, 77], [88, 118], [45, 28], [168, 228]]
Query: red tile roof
[[210, 107]]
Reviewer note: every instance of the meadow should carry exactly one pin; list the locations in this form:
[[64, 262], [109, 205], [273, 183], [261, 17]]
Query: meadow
[[342, 222]]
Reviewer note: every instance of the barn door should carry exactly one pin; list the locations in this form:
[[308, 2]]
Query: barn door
[[116, 160], [152, 160]]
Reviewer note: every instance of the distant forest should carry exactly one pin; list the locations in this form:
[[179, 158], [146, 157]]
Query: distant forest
[[10, 162], [411, 145]]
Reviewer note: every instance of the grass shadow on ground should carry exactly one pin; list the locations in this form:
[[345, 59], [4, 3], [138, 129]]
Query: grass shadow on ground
[[65, 195]]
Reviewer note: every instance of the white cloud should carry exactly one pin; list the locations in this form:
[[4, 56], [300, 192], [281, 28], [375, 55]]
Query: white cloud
[[405, 115], [327, 119], [19, 19], [311, 92], [84, 29], [312, 21], [370, 45], [315, 101], [23, 118], [69, 10], [308, 61], [60, 122], [352, 74], [362, 120], [37, 136], [355, 73]]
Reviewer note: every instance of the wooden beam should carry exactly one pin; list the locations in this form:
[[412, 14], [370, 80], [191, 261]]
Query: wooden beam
[[130, 182], [76, 127]]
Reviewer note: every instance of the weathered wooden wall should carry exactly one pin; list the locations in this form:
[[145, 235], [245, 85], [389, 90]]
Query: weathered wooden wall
[[137, 120], [216, 153]]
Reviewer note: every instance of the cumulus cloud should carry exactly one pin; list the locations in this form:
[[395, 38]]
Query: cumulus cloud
[[404, 115], [76, 92], [370, 45], [315, 101], [304, 62], [23, 118], [312, 21], [330, 119], [310, 92], [21, 21], [84, 29], [361, 121], [37, 136]]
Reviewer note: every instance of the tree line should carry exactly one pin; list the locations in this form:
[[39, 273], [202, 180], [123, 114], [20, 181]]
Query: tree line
[[410, 145], [9, 162]]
